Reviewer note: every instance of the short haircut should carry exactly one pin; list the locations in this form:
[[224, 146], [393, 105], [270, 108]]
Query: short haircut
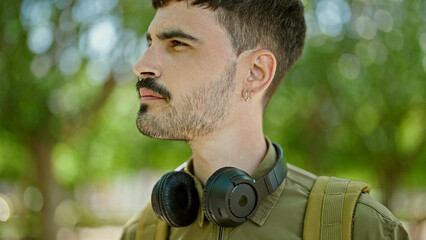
[[276, 25]]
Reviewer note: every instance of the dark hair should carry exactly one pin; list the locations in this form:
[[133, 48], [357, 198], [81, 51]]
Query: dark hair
[[276, 25]]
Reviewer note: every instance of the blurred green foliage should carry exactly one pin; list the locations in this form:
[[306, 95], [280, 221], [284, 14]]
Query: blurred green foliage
[[355, 102], [353, 106]]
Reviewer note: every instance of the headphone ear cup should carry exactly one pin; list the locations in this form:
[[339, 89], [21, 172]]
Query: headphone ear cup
[[229, 197], [207, 191], [175, 200]]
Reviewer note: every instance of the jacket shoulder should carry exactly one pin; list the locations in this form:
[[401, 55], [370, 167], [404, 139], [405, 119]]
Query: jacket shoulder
[[301, 177], [129, 229], [372, 220], [145, 222]]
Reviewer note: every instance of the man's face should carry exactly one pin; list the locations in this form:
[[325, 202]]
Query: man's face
[[188, 74]]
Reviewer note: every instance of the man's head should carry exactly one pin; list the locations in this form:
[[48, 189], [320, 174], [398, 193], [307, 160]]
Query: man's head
[[203, 55], [276, 25]]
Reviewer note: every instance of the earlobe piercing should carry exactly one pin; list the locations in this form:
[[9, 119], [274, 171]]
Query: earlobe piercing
[[246, 96]]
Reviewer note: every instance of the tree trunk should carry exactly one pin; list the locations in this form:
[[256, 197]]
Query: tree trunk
[[388, 184], [41, 151]]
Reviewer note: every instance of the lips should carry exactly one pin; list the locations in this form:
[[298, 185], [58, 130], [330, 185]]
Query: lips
[[147, 94]]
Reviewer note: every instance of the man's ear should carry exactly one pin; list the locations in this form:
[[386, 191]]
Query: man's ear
[[262, 70]]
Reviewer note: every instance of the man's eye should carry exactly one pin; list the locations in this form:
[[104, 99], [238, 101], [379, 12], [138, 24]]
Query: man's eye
[[177, 43]]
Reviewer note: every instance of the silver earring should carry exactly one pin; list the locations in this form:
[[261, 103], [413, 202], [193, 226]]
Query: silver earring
[[246, 98], [246, 95]]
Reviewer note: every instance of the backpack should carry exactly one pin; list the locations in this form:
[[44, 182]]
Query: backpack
[[335, 197], [330, 208]]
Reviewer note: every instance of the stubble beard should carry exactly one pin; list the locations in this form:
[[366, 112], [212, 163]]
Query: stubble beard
[[197, 114]]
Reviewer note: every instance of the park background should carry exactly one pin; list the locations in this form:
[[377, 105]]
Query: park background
[[74, 166]]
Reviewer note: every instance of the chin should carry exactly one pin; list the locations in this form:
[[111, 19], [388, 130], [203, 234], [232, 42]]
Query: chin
[[160, 136], [155, 131]]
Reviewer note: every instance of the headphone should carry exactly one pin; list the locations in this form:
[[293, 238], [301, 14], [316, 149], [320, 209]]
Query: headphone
[[230, 195]]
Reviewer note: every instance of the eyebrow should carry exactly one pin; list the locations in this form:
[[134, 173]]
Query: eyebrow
[[174, 33]]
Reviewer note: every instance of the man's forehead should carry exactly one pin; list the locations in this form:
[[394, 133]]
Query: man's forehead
[[184, 16]]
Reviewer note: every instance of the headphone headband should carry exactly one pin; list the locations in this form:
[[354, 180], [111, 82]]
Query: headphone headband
[[269, 182]]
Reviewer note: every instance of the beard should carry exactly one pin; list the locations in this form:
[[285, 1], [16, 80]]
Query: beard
[[196, 114]]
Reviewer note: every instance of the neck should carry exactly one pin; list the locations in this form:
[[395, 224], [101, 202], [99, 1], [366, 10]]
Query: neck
[[242, 146]]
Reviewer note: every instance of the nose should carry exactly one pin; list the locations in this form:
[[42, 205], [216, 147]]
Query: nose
[[147, 65]]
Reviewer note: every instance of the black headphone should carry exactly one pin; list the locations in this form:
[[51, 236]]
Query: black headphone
[[230, 196]]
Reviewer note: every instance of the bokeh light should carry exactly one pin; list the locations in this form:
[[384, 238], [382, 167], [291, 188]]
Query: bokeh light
[[5, 208], [33, 198]]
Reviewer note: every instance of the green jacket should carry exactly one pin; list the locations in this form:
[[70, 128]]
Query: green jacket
[[279, 216]]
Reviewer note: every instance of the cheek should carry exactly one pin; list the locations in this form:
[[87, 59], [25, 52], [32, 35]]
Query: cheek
[[186, 71], [189, 73]]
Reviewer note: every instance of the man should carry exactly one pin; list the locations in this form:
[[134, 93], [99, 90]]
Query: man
[[206, 78]]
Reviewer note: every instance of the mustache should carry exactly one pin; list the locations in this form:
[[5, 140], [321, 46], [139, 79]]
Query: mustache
[[151, 84]]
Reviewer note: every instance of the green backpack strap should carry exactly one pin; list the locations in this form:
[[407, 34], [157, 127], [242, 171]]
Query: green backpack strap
[[330, 208], [150, 227]]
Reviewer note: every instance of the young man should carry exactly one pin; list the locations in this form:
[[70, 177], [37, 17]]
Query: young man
[[206, 78]]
